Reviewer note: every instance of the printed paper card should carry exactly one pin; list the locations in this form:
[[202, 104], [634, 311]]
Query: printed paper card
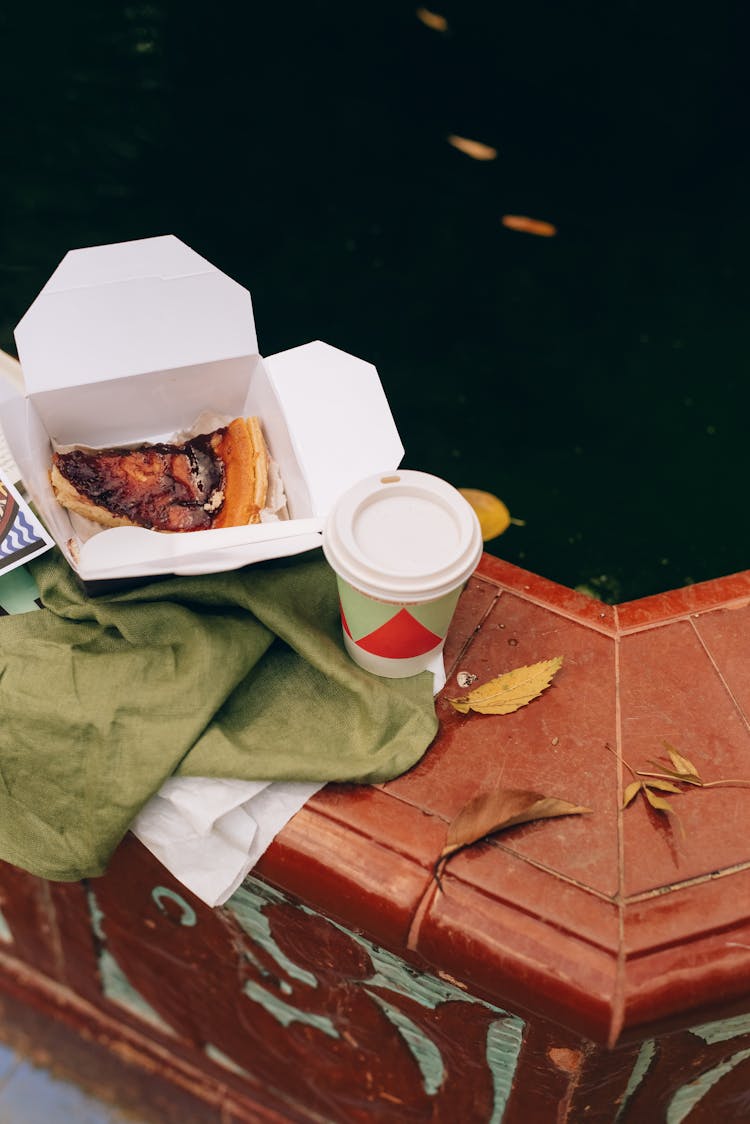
[[22, 536]]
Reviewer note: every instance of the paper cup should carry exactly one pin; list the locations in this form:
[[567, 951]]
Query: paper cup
[[402, 545]]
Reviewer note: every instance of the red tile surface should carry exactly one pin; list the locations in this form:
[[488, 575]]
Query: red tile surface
[[670, 690], [548, 746], [409, 831], [496, 870], [474, 603], [357, 880], [544, 592], [605, 923], [726, 635], [689, 983], [696, 910], [700, 598], [484, 943]]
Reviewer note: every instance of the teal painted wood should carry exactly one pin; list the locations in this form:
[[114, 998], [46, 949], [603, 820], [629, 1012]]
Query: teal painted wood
[[5, 934], [159, 893], [722, 1030], [640, 1069], [688, 1096], [116, 987], [504, 1043], [390, 973], [428, 1018]]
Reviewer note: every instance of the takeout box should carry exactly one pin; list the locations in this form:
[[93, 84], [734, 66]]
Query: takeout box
[[134, 341]]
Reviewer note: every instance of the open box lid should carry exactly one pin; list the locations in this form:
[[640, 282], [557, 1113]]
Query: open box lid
[[338, 418], [129, 308]]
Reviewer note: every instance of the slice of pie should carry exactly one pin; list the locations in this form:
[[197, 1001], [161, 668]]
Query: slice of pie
[[217, 479]]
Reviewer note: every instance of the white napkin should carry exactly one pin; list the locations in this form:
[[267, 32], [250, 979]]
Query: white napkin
[[210, 833]]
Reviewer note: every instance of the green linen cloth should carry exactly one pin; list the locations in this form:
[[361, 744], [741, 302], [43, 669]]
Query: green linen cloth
[[241, 674]]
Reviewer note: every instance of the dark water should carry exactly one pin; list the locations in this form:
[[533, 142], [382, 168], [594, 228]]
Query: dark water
[[597, 381]]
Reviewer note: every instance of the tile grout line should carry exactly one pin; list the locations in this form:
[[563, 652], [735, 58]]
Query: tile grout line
[[722, 680], [541, 603], [618, 997], [684, 615], [602, 895], [472, 635], [739, 602], [697, 880]]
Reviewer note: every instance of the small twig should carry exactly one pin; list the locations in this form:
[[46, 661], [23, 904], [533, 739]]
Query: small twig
[[726, 784], [630, 768], [671, 777], [697, 783]]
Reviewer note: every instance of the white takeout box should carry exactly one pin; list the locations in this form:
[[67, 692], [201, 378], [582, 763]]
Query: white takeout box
[[132, 342]]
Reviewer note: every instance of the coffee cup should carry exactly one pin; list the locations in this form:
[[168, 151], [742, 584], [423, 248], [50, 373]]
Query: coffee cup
[[402, 545]]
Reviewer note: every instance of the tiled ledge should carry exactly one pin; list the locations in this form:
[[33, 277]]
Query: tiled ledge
[[611, 924]]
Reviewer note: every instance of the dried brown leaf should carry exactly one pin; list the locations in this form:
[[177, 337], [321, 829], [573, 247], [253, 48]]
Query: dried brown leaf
[[510, 691], [473, 148], [663, 770], [502, 808], [681, 764], [657, 802], [662, 785], [631, 792]]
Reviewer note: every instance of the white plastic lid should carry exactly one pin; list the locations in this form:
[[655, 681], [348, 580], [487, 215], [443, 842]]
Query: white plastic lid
[[403, 536]]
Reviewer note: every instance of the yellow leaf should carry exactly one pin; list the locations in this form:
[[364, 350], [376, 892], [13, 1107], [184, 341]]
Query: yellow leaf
[[657, 802], [432, 19], [662, 785], [630, 793], [504, 807], [681, 764], [510, 691], [475, 149], [665, 770], [493, 515]]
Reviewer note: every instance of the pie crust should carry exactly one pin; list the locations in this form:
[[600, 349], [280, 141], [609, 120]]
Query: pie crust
[[217, 479]]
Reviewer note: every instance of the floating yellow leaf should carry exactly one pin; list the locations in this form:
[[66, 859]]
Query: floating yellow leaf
[[495, 811], [510, 691], [432, 19], [473, 148], [529, 226], [493, 515]]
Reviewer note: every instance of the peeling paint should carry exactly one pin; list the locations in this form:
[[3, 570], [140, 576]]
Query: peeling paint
[[686, 1098], [285, 1013], [722, 1029], [5, 933], [115, 984], [159, 893], [390, 973], [247, 906], [504, 1041], [423, 1049], [221, 1059], [118, 989], [639, 1071]]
